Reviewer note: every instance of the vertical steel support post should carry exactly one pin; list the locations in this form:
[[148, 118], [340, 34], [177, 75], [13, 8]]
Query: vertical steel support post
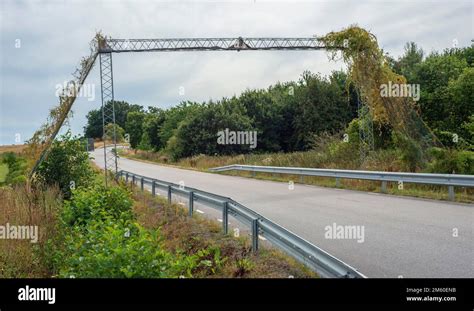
[[451, 193], [225, 217], [191, 203], [108, 112], [254, 235]]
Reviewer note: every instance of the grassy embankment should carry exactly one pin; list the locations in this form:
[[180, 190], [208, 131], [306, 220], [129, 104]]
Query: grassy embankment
[[384, 161]]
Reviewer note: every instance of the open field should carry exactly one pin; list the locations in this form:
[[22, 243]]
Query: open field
[[12, 148]]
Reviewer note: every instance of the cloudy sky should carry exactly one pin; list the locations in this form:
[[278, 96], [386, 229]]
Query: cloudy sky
[[43, 41]]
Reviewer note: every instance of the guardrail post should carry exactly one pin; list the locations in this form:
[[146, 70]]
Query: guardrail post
[[133, 180], [153, 188], [384, 186], [126, 179], [169, 194], [451, 193], [302, 179], [191, 203], [254, 235], [338, 182], [225, 217], [141, 183]]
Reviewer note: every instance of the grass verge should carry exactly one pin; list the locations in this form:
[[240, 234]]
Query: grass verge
[[190, 236], [302, 159]]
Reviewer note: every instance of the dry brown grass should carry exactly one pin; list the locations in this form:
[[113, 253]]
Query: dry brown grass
[[27, 207], [383, 161], [12, 148], [189, 235]]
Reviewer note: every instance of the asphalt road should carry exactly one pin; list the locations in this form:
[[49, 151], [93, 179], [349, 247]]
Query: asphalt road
[[403, 237]]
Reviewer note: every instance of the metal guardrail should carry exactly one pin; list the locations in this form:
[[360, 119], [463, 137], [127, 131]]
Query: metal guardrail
[[312, 256], [449, 180]]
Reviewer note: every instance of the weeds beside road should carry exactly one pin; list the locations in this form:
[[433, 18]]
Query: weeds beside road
[[304, 159]]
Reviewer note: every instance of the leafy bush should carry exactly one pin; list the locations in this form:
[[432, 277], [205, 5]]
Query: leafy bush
[[116, 249], [119, 132], [96, 202], [67, 165], [16, 168], [451, 161], [410, 153]]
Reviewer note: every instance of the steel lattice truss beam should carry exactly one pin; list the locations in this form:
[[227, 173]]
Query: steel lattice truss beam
[[107, 46], [211, 44]]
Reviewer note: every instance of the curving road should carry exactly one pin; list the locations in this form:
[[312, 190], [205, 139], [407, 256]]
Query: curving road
[[403, 237]]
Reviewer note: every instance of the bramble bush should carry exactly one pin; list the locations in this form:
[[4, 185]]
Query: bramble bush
[[100, 238], [66, 164], [116, 248], [96, 202], [450, 161]]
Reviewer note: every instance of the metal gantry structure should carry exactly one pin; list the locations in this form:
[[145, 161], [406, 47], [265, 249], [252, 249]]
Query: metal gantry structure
[[107, 46], [108, 112]]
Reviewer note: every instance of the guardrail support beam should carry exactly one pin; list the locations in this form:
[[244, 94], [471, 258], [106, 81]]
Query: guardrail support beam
[[141, 184], [133, 180], [153, 188], [126, 179], [191, 203], [451, 193], [384, 186], [225, 217], [338, 182], [254, 235], [169, 194]]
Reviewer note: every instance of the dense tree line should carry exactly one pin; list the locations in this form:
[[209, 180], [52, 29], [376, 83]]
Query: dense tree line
[[288, 115]]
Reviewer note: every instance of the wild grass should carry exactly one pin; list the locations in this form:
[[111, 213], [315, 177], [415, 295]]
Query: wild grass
[[383, 160], [20, 205], [12, 148], [193, 235], [3, 172]]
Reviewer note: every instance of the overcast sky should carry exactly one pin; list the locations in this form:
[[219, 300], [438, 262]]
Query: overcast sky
[[43, 41]]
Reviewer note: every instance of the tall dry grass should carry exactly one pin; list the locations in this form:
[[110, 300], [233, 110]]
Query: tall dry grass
[[21, 205]]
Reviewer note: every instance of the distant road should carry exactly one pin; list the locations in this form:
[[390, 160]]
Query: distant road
[[404, 236]]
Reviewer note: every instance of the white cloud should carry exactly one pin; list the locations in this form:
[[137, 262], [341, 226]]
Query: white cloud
[[55, 35]]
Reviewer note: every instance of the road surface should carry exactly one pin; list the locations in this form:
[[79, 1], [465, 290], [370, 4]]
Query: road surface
[[402, 236]]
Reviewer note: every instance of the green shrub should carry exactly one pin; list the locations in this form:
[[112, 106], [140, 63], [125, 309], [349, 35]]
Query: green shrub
[[117, 249], [450, 161], [16, 168], [409, 151], [67, 165], [97, 202]]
